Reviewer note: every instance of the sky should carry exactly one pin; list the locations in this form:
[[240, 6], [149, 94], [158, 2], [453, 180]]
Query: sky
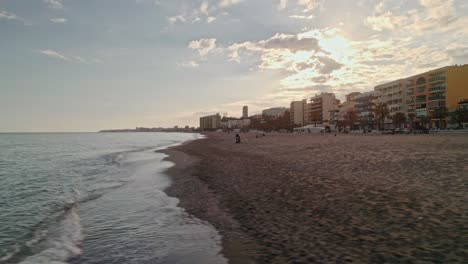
[[87, 65]]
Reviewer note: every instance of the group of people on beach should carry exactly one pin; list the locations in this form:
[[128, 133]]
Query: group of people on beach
[[238, 138]]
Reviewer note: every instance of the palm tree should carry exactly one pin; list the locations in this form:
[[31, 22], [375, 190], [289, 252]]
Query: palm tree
[[398, 118], [459, 116], [411, 118], [440, 113], [381, 112], [351, 118]]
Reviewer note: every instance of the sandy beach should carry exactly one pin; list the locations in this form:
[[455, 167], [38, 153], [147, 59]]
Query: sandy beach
[[289, 198]]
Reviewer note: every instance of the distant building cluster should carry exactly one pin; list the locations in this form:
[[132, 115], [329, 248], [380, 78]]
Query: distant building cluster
[[185, 129], [416, 99], [274, 112]]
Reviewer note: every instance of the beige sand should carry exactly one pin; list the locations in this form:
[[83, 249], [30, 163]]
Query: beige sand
[[288, 198]]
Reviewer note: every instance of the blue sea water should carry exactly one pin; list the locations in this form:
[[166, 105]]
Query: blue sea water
[[95, 198]]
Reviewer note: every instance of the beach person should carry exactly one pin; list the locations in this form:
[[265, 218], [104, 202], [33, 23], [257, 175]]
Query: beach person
[[238, 140]]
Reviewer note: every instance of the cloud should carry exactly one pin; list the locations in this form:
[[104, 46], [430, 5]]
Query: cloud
[[309, 4], [433, 16], [8, 16], [54, 54], [302, 17], [175, 19], [54, 4], [291, 42], [206, 11], [328, 65], [396, 45], [210, 19], [189, 64], [282, 4], [59, 56], [385, 21], [226, 3], [204, 46], [58, 20], [204, 7]]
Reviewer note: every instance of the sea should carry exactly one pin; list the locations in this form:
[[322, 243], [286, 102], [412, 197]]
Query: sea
[[96, 198]]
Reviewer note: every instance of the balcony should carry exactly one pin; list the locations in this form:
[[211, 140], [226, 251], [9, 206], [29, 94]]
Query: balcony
[[438, 79], [432, 107], [437, 88], [421, 100], [438, 97]]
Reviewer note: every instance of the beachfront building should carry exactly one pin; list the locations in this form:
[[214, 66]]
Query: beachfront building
[[443, 87], [297, 111], [245, 112], [351, 96], [274, 112], [393, 94], [463, 104], [344, 108], [319, 108], [258, 118], [233, 123], [365, 108], [211, 122]]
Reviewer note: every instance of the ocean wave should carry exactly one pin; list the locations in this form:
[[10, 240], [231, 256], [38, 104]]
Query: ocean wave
[[52, 241], [64, 243], [118, 158]]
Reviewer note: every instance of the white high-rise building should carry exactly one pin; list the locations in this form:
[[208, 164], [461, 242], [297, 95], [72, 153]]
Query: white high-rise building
[[297, 112], [320, 107], [245, 112], [394, 95]]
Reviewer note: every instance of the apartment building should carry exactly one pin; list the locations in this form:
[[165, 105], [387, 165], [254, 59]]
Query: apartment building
[[344, 108], [394, 95], [365, 108], [436, 88], [297, 112], [233, 123], [211, 122], [319, 108]]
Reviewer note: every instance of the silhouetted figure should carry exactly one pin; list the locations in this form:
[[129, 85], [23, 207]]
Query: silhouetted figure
[[238, 141]]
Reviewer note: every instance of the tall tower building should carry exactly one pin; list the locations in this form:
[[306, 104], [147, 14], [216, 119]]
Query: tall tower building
[[245, 112]]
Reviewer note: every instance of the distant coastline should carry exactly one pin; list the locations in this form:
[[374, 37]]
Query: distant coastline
[[154, 129]]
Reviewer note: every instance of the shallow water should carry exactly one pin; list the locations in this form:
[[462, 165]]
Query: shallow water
[[95, 198]]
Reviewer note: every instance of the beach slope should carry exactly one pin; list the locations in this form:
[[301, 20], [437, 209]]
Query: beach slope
[[288, 198]]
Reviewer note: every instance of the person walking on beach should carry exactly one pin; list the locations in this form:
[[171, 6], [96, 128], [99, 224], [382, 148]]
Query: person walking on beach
[[238, 141]]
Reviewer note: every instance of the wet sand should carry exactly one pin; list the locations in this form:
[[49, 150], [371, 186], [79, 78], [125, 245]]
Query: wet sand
[[288, 198]]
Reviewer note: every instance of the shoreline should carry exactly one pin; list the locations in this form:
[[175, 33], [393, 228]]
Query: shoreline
[[289, 198], [197, 199]]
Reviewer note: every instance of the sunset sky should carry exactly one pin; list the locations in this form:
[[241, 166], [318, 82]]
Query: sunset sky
[[86, 65]]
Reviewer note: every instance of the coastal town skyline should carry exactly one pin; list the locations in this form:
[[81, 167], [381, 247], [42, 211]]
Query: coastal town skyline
[[73, 66]]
